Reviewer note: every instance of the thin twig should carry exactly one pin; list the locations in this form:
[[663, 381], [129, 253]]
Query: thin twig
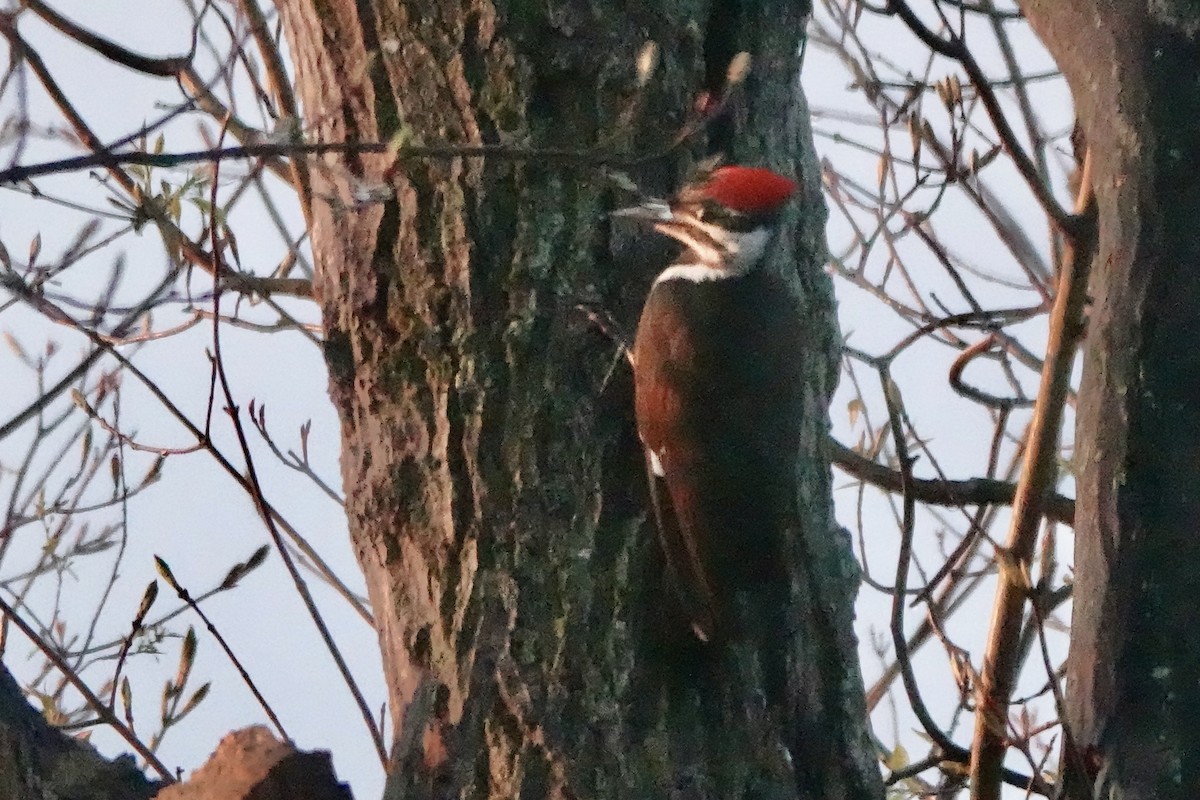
[[975, 491], [281, 86], [260, 501], [949, 750], [105, 713], [187, 598], [1038, 477], [110, 160]]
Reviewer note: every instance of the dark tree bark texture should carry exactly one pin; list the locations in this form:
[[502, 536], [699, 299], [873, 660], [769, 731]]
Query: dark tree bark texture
[[495, 491], [1133, 680], [39, 762]]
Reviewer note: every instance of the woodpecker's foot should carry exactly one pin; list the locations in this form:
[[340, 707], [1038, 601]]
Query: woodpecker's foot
[[607, 325]]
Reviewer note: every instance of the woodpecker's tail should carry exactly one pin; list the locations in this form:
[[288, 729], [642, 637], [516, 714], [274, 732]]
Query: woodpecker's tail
[[685, 563]]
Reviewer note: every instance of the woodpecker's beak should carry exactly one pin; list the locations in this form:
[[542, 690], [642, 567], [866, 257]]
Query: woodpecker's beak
[[678, 223], [649, 211], [708, 243]]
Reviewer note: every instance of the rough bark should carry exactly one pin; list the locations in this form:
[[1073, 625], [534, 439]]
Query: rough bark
[[1133, 679], [494, 487]]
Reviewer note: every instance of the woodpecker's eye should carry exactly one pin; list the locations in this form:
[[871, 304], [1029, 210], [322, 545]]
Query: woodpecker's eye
[[716, 214]]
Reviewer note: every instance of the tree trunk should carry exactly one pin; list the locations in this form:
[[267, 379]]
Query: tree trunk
[[1133, 679], [495, 491]]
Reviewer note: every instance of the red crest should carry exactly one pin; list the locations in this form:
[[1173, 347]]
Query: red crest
[[748, 190]]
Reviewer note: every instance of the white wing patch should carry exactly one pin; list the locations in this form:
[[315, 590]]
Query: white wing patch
[[656, 465]]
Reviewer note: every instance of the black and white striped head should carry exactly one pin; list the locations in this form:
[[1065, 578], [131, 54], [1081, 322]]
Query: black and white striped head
[[724, 221]]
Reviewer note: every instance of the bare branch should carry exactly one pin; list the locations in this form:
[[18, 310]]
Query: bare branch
[[1037, 479]]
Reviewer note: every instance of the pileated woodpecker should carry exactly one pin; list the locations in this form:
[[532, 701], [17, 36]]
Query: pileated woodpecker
[[718, 389]]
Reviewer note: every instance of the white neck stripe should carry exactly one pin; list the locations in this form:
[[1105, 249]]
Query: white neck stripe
[[696, 273]]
